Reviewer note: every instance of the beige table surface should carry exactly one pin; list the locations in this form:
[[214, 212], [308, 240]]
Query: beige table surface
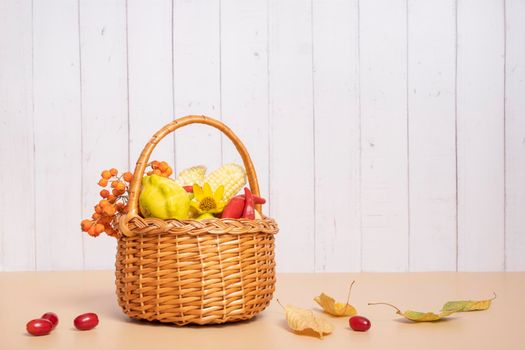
[[27, 295]]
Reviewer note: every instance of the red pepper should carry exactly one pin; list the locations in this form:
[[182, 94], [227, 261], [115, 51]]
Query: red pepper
[[188, 189], [256, 200], [234, 208], [249, 210]]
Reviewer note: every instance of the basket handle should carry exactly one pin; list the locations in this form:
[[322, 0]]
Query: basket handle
[[169, 128]]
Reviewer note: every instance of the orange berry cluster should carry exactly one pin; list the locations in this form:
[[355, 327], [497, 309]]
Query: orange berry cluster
[[160, 168], [111, 206], [115, 202]]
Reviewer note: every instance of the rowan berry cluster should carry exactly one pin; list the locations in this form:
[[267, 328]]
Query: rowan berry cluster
[[160, 168], [114, 200], [112, 204]]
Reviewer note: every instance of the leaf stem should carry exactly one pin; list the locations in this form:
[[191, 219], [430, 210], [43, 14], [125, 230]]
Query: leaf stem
[[349, 291], [398, 311], [278, 302]]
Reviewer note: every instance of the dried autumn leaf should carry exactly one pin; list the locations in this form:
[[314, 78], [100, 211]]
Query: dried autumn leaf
[[417, 316], [302, 320], [468, 305], [334, 308], [425, 316]]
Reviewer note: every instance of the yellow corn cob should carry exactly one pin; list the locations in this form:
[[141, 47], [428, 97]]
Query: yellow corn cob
[[190, 176], [232, 176]]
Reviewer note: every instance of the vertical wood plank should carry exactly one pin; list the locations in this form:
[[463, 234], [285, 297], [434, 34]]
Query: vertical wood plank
[[515, 135], [480, 69], [336, 105], [223, 53], [432, 150], [57, 125], [150, 76], [384, 163], [104, 110], [196, 71], [244, 83], [291, 136], [17, 227]]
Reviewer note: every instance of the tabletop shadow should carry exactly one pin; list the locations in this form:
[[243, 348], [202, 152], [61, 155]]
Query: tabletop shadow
[[406, 321]]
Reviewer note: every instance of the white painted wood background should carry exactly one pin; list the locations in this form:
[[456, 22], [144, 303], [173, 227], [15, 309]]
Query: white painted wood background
[[387, 135]]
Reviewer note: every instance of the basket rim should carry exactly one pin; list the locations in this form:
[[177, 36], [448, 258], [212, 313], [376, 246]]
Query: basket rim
[[216, 226]]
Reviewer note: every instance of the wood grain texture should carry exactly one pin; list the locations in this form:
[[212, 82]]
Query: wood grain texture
[[58, 135], [384, 162], [104, 111], [244, 82], [337, 136], [150, 65], [196, 74], [432, 150], [292, 134], [480, 77], [515, 136], [17, 226]]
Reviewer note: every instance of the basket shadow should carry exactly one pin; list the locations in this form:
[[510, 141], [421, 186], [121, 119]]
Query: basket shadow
[[106, 303], [307, 332], [406, 321], [190, 326]]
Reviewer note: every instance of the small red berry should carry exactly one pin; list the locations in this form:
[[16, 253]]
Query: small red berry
[[51, 317], [359, 323], [86, 321], [39, 326]]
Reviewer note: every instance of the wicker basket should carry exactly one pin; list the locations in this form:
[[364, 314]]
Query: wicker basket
[[187, 271]]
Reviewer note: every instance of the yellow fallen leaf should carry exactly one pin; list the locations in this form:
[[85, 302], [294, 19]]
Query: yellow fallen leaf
[[425, 316], [335, 308], [303, 320], [417, 316], [468, 305]]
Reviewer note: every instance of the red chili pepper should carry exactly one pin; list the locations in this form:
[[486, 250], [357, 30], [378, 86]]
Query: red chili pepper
[[256, 200], [249, 211], [234, 208]]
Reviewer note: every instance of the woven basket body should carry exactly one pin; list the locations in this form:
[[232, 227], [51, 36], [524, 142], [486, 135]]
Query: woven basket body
[[200, 272]]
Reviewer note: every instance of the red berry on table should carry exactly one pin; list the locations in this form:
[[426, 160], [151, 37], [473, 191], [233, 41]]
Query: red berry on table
[[52, 317], [359, 323], [86, 321], [39, 326]]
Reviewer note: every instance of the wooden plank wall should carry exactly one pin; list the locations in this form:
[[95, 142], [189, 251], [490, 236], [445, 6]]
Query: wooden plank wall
[[432, 134], [387, 135]]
